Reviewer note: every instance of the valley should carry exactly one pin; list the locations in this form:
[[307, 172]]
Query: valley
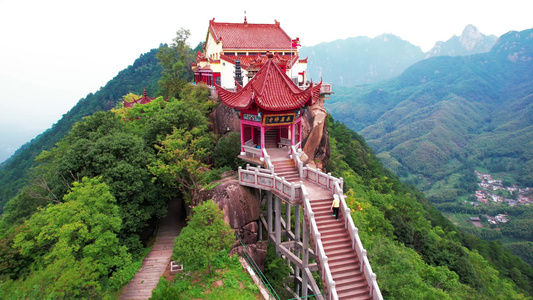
[[445, 117]]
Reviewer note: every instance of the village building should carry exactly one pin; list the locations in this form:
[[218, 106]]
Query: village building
[[234, 52]]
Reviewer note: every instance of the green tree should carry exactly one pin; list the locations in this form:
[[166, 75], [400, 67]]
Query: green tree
[[101, 145], [175, 61], [181, 160], [227, 150], [74, 244], [205, 235]]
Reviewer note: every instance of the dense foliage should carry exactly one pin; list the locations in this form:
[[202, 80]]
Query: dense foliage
[[120, 155], [70, 248], [205, 235], [229, 282]]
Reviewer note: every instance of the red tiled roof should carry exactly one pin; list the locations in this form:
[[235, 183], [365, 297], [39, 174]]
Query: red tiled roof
[[143, 100], [250, 36], [270, 89]]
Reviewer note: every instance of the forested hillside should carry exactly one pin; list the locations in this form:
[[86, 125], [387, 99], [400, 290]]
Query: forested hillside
[[144, 73], [415, 251], [445, 115]]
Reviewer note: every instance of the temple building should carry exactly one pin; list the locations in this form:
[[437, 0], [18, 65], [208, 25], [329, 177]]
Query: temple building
[[234, 52], [143, 100], [270, 108]]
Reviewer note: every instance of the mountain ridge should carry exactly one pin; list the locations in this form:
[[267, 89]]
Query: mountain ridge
[[364, 60]]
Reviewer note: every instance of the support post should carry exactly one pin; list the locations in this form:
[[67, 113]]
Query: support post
[[300, 134], [297, 270], [277, 230], [287, 220], [305, 257], [269, 212], [262, 140], [242, 139]]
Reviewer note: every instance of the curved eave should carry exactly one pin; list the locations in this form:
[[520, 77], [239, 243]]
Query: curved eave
[[238, 100]]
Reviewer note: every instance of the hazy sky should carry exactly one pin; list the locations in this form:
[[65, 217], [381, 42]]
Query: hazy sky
[[55, 52]]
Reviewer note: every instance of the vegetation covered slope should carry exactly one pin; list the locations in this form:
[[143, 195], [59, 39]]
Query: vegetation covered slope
[[415, 251], [74, 229], [445, 115], [144, 73]]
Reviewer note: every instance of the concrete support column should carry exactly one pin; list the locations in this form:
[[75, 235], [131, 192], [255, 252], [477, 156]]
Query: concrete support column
[[277, 221], [297, 270], [287, 220], [305, 258], [260, 234], [269, 213]]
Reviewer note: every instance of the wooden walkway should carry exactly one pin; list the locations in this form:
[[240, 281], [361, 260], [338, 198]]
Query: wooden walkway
[[156, 262]]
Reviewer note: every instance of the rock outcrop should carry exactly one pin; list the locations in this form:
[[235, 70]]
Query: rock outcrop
[[223, 119], [240, 204], [241, 208], [315, 138], [256, 251]]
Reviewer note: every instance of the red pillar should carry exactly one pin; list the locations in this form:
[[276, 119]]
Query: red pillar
[[242, 139], [300, 134], [262, 140]]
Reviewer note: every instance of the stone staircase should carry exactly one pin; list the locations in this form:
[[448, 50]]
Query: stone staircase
[[271, 139], [344, 264], [286, 168]]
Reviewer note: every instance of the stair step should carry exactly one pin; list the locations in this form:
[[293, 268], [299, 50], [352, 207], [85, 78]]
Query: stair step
[[340, 270], [280, 172], [343, 241], [334, 247], [348, 256], [340, 262], [338, 251], [356, 280], [328, 225], [354, 294]]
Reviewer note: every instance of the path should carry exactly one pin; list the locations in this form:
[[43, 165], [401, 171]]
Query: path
[[156, 262]]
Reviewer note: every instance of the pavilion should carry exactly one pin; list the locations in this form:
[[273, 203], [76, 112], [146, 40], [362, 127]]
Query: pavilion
[[270, 109]]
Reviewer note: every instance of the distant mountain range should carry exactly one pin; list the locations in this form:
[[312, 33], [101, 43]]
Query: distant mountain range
[[362, 60], [471, 41], [445, 115]]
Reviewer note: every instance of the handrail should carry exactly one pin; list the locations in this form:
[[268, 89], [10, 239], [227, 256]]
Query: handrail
[[325, 272], [267, 180], [296, 158], [268, 161], [357, 245], [322, 179]]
